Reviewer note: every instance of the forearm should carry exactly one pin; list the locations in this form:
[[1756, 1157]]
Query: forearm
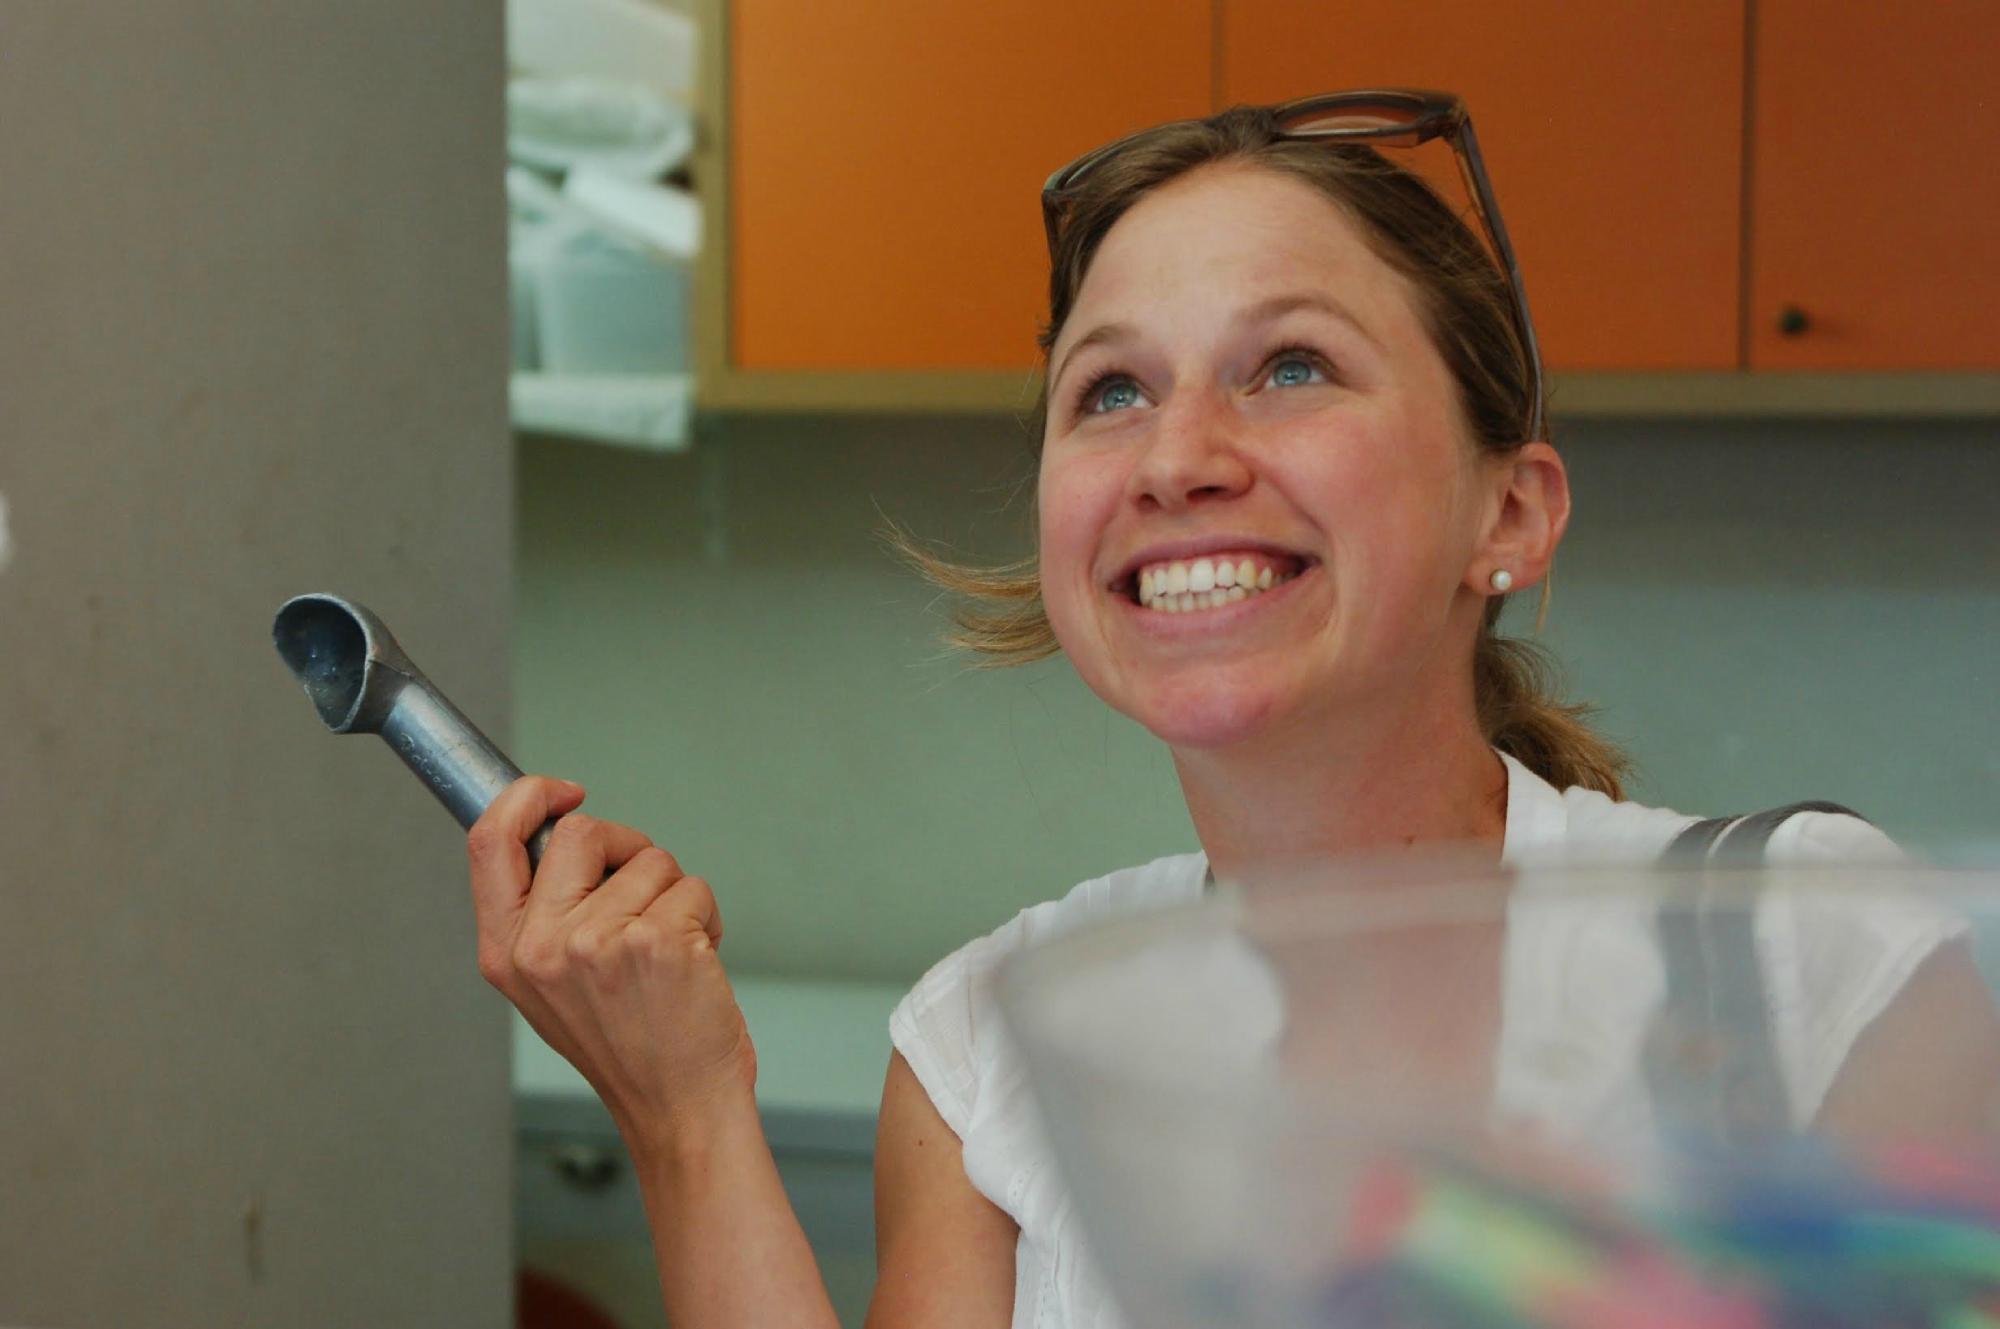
[[731, 1253]]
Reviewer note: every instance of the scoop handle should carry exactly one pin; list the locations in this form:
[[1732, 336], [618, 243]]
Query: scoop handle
[[456, 762]]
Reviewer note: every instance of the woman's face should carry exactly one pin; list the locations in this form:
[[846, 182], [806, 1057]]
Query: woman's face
[[1241, 376]]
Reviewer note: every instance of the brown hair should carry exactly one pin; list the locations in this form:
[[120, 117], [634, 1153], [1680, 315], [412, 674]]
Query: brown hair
[[1465, 303]]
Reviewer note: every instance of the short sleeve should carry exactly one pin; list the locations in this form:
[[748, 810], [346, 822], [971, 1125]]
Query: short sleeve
[[943, 1027], [936, 1026], [1832, 838], [1836, 964]]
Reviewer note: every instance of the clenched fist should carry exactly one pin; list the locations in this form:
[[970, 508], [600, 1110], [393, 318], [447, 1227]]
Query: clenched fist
[[609, 950]]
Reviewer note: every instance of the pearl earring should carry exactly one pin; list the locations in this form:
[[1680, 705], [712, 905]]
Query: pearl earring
[[1502, 580]]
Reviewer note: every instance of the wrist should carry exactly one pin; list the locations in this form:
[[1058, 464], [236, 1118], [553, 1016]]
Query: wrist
[[685, 1137]]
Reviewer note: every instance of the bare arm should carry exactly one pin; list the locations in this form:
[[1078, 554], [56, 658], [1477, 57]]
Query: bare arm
[[944, 1253], [621, 974], [1929, 1065], [730, 1250]]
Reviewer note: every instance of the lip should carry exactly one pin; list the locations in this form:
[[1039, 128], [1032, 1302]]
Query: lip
[[1181, 550]]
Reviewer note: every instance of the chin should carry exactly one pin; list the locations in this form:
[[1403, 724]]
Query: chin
[[1205, 714]]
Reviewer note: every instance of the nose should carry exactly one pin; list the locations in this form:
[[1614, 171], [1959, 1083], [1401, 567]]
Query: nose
[[1193, 456]]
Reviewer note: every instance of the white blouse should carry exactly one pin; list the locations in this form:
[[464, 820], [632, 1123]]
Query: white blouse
[[1823, 990]]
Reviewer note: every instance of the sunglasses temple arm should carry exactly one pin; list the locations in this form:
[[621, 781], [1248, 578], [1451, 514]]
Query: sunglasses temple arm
[[1473, 167]]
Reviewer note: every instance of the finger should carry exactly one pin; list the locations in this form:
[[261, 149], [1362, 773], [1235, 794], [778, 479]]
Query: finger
[[496, 846], [580, 851], [627, 892], [689, 899]]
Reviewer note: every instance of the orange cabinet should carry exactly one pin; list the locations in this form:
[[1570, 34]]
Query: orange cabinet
[[887, 158], [1612, 131], [1675, 177], [1875, 189]]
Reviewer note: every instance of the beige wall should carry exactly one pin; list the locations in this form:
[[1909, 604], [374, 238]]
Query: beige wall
[[253, 343]]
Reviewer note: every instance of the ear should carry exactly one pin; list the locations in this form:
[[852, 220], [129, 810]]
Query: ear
[[1527, 517]]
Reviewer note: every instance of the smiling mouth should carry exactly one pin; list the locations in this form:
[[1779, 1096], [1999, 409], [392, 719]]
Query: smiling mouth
[[1188, 585]]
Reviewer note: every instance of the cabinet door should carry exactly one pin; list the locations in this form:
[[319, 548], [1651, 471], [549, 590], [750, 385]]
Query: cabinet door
[[1874, 186], [887, 159], [1612, 130]]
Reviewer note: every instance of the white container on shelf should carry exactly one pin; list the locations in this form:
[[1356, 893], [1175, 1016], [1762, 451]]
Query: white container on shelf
[[604, 305], [632, 40], [573, 122], [589, 298], [533, 220], [662, 217]]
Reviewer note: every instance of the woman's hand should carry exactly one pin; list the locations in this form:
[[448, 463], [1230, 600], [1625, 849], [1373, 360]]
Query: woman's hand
[[618, 973]]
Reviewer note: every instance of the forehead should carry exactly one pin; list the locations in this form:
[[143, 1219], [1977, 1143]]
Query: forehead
[[1232, 234]]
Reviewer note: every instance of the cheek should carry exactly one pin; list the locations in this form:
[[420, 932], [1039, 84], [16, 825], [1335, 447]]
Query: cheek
[[1064, 519], [1075, 498], [1361, 485], [1393, 500]]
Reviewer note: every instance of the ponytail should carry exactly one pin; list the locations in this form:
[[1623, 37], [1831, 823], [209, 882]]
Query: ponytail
[[1515, 685]]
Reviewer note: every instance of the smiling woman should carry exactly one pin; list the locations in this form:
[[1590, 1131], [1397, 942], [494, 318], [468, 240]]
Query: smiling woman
[[1291, 462]]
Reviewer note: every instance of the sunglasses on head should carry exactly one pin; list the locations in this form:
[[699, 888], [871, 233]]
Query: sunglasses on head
[[1386, 117]]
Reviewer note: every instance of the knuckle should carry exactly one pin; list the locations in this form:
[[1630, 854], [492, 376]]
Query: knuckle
[[538, 962], [648, 940], [583, 947], [654, 859], [495, 966], [575, 826]]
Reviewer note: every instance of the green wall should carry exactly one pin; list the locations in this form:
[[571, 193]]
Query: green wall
[[718, 647]]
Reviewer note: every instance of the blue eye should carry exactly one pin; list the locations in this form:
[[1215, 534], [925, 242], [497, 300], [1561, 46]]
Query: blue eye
[[1293, 371], [1113, 395]]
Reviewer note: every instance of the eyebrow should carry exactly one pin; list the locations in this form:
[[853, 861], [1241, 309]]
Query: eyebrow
[[1264, 311]]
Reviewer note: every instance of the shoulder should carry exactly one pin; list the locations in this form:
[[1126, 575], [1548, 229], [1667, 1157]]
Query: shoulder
[[1176, 877], [943, 1026], [1546, 824], [1832, 837], [1577, 824]]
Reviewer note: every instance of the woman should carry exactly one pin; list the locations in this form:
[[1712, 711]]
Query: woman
[[1291, 462]]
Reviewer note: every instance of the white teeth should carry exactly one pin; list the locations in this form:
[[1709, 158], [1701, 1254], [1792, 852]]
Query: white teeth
[[1181, 588]]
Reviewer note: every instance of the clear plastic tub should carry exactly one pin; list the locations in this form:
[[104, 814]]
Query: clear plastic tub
[[1395, 1096]]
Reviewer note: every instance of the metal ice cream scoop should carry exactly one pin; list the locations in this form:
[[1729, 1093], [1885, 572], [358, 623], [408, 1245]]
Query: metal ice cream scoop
[[361, 683]]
